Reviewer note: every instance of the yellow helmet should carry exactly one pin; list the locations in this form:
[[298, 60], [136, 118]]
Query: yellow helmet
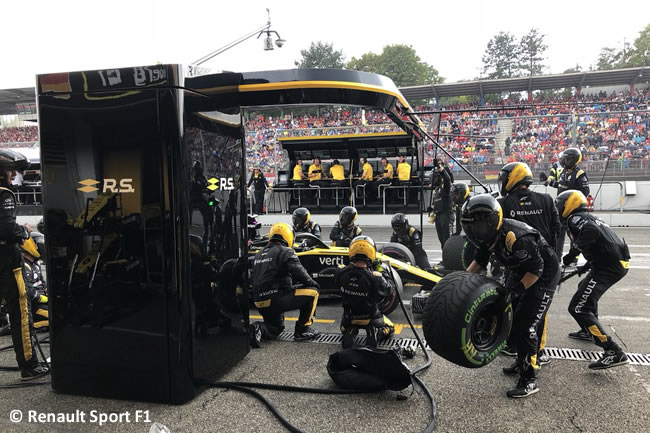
[[513, 175], [570, 201], [363, 248], [29, 246], [282, 232]]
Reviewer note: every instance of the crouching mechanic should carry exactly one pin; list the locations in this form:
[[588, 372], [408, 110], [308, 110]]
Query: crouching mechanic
[[411, 238], [608, 257], [345, 229], [534, 274], [35, 285], [302, 222], [276, 270], [12, 283], [364, 283]]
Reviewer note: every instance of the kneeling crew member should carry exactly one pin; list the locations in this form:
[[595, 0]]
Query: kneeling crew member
[[276, 270], [608, 257], [345, 229], [302, 222], [12, 284], [411, 238], [35, 285], [534, 274], [364, 283], [532, 208]]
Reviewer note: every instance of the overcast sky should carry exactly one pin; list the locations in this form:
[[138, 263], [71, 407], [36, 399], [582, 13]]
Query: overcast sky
[[40, 36]]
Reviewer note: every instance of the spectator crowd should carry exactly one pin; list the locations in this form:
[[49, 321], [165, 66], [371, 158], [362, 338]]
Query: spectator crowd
[[614, 125]]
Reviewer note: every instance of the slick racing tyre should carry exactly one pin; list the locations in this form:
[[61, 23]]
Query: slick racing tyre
[[458, 253], [391, 302], [398, 252], [466, 320]]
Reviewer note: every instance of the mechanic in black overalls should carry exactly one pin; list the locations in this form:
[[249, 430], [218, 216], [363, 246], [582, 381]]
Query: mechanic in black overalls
[[411, 238], [608, 258], [258, 180], [535, 209], [345, 229], [302, 222], [441, 181], [571, 177], [364, 283], [35, 284], [459, 195], [534, 273], [276, 272], [12, 283]]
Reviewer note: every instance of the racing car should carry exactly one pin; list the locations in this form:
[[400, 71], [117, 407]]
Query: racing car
[[321, 261]]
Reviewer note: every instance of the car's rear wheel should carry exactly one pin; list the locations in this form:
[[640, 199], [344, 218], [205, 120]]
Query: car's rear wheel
[[458, 253], [391, 302], [398, 252], [466, 320]]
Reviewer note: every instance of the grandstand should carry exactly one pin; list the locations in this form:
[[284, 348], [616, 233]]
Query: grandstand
[[610, 128]]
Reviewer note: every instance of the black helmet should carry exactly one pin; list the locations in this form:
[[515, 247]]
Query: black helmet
[[570, 202], [481, 219], [399, 223], [11, 160], [300, 217], [570, 157], [347, 216], [514, 175], [459, 193]]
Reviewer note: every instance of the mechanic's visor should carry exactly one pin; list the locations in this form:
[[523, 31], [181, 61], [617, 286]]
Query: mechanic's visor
[[481, 230]]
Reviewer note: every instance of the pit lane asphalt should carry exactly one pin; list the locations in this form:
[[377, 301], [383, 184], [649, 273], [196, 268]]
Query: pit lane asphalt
[[571, 397]]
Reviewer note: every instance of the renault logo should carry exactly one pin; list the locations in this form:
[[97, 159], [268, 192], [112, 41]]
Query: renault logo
[[109, 185], [214, 184], [88, 185]]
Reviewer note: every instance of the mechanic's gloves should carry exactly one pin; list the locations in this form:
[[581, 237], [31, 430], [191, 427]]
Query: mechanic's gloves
[[378, 266], [516, 287], [568, 259], [584, 268]]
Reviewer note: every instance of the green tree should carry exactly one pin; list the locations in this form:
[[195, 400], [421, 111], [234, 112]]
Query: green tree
[[321, 55], [609, 58], [501, 57], [639, 54], [400, 63], [531, 52]]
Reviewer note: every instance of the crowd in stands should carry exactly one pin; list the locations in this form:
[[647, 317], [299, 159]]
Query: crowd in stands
[[16, 136], [471, 135], [600, 129]]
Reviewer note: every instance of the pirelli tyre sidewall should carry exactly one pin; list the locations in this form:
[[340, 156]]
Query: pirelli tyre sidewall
[[466, 320], [398, 251], [390, 303], [458, 253]]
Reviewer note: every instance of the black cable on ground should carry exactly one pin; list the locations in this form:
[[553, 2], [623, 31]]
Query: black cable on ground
[[246, 387]]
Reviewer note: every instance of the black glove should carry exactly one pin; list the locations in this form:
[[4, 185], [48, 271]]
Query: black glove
[[584, 268], [543, 177], [568, 259], [517, 287], [429, 209]]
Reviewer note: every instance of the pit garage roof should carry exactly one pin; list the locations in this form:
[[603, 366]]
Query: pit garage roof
[[10, 97], [540, 82]]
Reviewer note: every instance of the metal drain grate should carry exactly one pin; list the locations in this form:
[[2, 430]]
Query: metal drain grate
[[555, 353]]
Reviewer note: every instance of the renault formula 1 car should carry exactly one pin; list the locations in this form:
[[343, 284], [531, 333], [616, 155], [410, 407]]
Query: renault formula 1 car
[[322, 261]]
